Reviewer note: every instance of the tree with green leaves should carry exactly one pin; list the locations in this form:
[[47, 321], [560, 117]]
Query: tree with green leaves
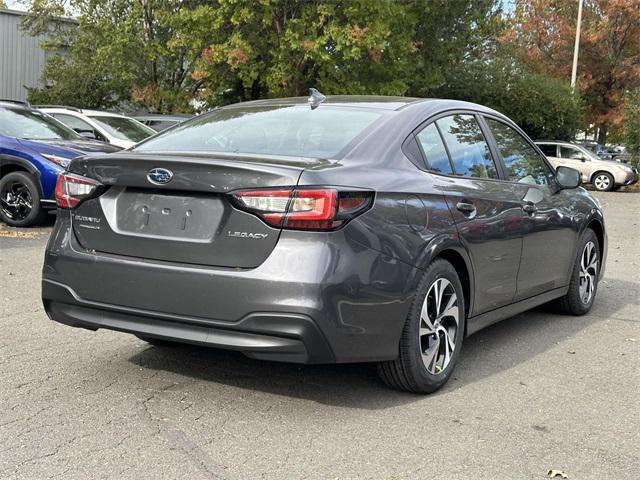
[[631, 125], [169, 54], [248, 50], [542, 34], [121, 51]]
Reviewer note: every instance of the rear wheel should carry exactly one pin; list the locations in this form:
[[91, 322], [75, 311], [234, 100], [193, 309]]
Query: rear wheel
[[20, 200], [603, 181], [584, 277], [432, 337]]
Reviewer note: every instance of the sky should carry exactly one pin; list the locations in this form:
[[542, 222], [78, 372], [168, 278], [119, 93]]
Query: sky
[[15, 5]]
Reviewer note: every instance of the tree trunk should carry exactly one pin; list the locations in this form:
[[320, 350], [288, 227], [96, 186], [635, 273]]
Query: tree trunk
[[602, 133]]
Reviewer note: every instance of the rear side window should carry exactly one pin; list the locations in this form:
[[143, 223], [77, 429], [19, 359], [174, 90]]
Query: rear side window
[[469, 151], [548, 149], [295, 131], [434, 150], [521, 160]]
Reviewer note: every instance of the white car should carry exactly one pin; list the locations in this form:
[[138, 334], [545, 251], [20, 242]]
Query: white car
[[604, 175], [108, 127]]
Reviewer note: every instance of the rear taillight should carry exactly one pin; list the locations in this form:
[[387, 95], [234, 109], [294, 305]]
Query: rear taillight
[[72, 189], [304, 209]]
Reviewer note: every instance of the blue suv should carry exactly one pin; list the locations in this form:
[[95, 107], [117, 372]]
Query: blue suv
[[34, 149]]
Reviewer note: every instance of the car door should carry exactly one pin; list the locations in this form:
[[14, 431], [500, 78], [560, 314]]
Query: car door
[[488, 216], [549, 233], [573, 157]]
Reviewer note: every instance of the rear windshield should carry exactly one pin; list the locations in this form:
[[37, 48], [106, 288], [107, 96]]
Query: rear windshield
[[295, 131], [33, 125], [123, 128]]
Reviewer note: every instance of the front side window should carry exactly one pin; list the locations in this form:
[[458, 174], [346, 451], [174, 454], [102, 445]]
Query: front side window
[[123, 128], [73, 122], [571, 153], [469, 150], [521, 160], [434, 150]]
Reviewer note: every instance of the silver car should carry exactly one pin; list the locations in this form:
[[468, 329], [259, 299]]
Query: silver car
[[604, 175]]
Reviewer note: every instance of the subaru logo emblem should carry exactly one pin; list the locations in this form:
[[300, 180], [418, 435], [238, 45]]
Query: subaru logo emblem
[[159, 176]]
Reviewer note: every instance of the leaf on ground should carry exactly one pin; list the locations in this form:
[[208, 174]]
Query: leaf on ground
[[556, 473]]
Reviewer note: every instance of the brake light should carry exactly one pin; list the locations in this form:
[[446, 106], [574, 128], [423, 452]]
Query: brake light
[[304, 209], [72, 189]]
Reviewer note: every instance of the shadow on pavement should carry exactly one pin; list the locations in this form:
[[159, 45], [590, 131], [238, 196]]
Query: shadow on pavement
[[497, 348]]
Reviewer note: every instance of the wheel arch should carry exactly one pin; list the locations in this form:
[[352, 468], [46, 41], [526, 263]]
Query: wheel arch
[[10, 164], [597, 227], [597, 172], [450, 249]]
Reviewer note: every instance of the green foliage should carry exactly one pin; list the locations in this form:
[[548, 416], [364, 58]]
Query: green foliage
[[164, 54], [543, 106], [631, 125], [274, 48]]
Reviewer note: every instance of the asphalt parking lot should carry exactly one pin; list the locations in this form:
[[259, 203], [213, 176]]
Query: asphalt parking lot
[[536, 392]]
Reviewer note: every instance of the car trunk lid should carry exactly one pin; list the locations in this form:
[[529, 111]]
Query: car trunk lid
[[188, 219]]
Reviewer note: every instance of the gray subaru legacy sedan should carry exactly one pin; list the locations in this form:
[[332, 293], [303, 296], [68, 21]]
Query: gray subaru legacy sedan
[[322, 230]]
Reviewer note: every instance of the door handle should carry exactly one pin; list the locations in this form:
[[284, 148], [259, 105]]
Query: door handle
[[466, 208], [530, 208]]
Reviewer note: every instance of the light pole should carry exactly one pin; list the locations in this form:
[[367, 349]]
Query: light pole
[[574, 69]]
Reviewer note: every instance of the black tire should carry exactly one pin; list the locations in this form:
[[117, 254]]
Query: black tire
[[602, 181], [15, 212], [156, 342], [573, 302], [408, 372]]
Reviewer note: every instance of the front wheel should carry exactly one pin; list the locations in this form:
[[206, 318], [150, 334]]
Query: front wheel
[[584, 277], [20, 200], [432, 337], [603, 181]]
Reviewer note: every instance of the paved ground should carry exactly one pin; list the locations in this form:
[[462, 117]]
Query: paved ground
[[533, 393]]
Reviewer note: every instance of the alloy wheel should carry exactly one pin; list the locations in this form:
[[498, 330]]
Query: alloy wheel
[[16, 201], [588, 272], [602, 182], [439, 321]]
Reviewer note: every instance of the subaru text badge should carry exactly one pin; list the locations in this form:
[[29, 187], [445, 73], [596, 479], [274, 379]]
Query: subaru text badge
[[159, 176]]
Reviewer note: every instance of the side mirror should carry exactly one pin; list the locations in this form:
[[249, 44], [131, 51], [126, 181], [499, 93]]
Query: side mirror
[[568, 177], [582, 159]]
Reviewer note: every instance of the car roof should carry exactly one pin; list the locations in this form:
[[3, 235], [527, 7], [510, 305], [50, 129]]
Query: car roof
[[160, 116], [64, 109], [15, 104], [365, 101], [421, 106]]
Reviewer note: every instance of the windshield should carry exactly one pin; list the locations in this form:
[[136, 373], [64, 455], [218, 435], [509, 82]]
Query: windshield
[[123, 128], [33, 125], [588, 153], [276, 130]]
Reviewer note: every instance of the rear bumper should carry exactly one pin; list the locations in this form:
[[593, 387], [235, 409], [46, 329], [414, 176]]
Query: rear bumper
[[270, 336], [311, 301]]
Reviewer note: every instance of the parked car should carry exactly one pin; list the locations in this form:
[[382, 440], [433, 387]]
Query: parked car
[[161, 122], [604, 175], [354, 229], [34, 149], [107, 127]]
